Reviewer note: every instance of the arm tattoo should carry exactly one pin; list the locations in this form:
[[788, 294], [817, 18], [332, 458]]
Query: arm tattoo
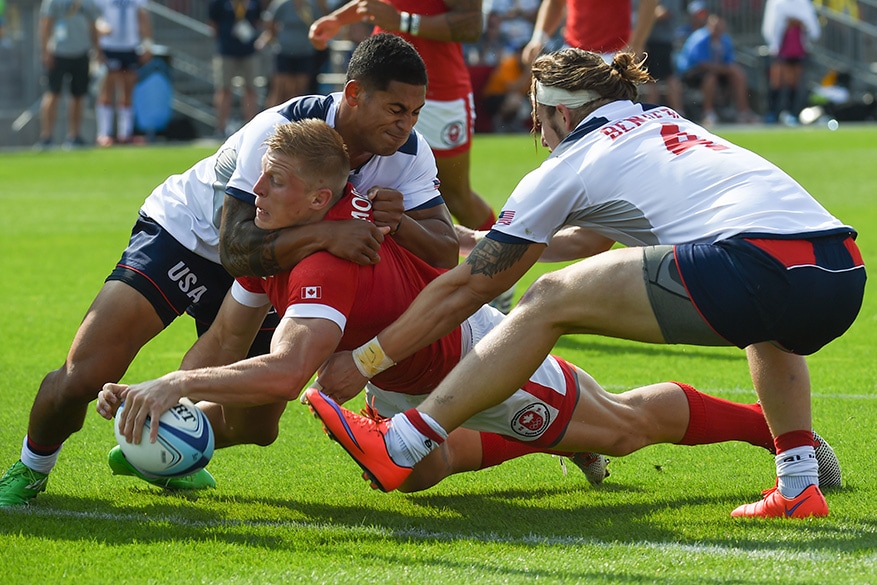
[[245, 249], [490, 257]]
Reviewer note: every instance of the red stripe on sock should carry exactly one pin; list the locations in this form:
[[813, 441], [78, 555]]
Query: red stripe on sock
[[794, 439], [496, 449], [715, 420], [422, 426], [42, 449]]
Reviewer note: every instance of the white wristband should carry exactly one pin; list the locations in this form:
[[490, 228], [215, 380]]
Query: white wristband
[[404, 22], [414, 30], [540, 36], [370, 359]]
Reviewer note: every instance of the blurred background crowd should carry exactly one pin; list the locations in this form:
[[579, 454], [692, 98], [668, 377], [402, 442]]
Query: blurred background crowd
[[193, 69]]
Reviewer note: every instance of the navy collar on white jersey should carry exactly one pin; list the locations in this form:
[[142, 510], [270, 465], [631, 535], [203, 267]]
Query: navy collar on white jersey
[[588, 125]]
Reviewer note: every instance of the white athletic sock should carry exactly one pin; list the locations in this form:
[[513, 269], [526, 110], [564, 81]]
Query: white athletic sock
[[41, 463], [796, 470], [104, 120], [124, 123], [407, 445]]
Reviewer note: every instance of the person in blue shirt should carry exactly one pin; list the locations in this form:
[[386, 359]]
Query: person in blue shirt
[[706, 60]]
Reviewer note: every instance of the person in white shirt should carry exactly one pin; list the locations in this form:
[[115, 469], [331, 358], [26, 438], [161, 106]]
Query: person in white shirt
[[196, 231], [721, 248], [125, 43]]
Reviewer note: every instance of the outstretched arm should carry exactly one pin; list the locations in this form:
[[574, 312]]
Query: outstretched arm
[[298, 348]]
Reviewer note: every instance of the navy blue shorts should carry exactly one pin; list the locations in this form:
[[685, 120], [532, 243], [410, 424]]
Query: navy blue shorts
[[798, 293], [175, 280], [122, 60], [292, 64]]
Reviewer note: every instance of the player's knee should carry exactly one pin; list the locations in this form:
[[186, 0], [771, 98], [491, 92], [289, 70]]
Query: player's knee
[[546, 294], [262, 435], [73, 384]]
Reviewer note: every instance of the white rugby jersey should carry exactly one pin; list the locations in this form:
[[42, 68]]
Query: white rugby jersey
[[189, 205], [643, 175], [121, 15]]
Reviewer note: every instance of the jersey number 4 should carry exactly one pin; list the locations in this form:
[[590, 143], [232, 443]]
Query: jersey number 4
[[678, 142]]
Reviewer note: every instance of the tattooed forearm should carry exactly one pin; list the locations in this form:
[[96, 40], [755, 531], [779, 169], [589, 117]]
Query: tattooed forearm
[[251, 252], [490, 257], [246, 250]]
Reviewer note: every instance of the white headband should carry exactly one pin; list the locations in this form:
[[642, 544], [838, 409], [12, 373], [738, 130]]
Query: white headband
[[553, 96]]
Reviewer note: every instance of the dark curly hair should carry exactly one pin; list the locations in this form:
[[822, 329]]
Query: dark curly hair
[[383, 58]]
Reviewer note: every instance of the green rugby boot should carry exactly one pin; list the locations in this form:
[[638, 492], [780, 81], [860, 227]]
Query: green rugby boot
[[20, 484], [199, 480]]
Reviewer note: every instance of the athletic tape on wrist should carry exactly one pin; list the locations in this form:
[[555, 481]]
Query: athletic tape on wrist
[[539, 36], [414, 30], [404, 21], [370, 359]]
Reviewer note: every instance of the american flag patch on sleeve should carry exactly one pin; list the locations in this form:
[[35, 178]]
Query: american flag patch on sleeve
[[505, 217]]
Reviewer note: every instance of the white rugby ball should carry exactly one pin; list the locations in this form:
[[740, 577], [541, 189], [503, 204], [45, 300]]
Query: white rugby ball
[[184, 444]]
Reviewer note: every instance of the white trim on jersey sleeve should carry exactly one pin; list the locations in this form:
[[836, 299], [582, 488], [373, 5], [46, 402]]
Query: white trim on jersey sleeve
[[248, 298], [316, 311]]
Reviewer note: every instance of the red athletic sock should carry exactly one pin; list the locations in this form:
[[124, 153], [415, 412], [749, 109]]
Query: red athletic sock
[[714, 420], [488, 223], [794, 439], [496, 448]]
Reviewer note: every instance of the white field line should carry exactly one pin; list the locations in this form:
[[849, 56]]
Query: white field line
[[783, 555]]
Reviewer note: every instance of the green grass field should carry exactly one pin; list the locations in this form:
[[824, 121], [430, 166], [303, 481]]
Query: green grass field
[[297, 511]]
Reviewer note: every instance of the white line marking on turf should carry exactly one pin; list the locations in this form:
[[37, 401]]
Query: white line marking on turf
[[784, 555]]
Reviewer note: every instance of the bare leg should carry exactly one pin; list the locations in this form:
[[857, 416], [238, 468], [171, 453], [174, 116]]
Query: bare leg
[[75, 119], [257, 425], [119, 322], [460, 452], [467, 206], [603, 295], [222, 103], [782, 382], [48, 114]]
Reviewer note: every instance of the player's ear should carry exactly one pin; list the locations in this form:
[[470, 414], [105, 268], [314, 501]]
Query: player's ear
[[352, 90], [321, 198], [566, 115]]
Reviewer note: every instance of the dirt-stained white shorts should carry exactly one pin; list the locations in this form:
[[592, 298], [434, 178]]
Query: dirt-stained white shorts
[[448, 126], [537, 413]]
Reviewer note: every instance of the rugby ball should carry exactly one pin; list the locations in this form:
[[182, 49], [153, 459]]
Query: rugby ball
[[184, 444]]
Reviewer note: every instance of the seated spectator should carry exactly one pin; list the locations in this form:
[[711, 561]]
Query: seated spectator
[[517, 18], [697, 15], [506, 94], [706, 61]]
